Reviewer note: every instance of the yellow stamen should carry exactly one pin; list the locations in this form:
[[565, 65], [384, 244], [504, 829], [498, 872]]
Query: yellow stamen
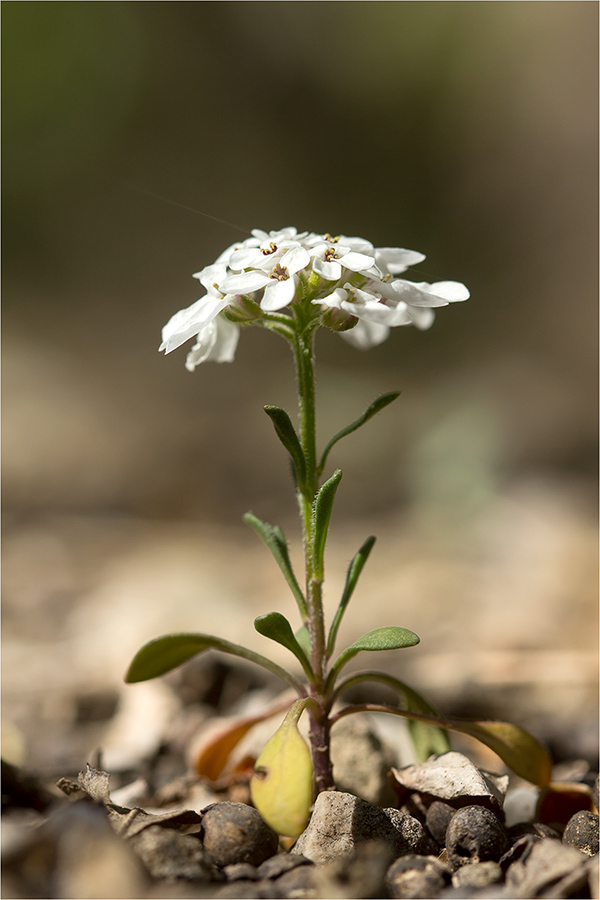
[[280, 273]]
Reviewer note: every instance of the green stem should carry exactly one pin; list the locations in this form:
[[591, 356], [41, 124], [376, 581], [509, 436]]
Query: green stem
[[303, 352]]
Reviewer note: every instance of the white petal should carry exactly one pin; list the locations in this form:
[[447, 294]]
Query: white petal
[[452, 291], [188, 322], [416, 294], [333, 300], [294, 259], [422, 317], [211, 275], [366, 334], [224, 256], [330, 270], [244, 282], [396, 259], [375, 311], [356, 262], [360, 245], [278, 294], [244, 258], [216, 342]]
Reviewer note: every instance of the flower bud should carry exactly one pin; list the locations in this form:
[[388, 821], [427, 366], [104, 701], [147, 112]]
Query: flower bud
[[243, 310], [338, 319]]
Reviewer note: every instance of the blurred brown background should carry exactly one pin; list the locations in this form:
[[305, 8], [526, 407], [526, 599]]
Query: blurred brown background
[[133, 133]]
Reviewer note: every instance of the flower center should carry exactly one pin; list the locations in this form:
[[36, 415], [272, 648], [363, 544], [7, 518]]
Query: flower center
[[330, 254], [279, 273], [332, 240], [266, 251]]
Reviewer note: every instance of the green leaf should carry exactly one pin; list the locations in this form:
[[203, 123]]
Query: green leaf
[[391, 637], [427, 738], [166, 653], [354, 570], [303, 638], [276, 627], [275, 540], [519, 749], [516, 747], [287, 435], [375, 407], [321, 514]]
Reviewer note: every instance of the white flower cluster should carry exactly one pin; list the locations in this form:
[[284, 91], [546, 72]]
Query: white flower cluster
[[354, 283]]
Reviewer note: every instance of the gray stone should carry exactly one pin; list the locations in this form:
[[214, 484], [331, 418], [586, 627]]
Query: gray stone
[[236, 833], [475, 835], [300, 882], [543, 863], [582, 832], [341, 821], [249, 890], [416, 877], [361, 762], [277, 865], [451, 776], [582, 881], [437, 819], [478, 875], [360, 875], [174, 856], [241, 872]]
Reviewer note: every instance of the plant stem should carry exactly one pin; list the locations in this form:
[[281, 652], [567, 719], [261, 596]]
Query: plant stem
[[303, 350], [319, 718]]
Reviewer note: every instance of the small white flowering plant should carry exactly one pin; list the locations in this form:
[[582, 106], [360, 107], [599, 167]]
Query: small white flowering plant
[[293, 284]]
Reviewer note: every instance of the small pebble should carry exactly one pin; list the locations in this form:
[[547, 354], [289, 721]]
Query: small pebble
[[341, 823], [283, 862], [414, 876], [236, 833], [297, 883], [437, 820], [541, 867], [249, 890], [475, 835], [478, 875], [167, 853], [241, 872], [582, 832], [517, 831]]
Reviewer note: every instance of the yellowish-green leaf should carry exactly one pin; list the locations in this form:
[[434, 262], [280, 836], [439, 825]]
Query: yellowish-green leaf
[[519, 749], [282, 786]]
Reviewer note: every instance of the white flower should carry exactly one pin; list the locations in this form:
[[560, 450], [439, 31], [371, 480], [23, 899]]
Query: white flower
[[188, 322], [279, 282], [332, 255], [217, 341], [352, 285]]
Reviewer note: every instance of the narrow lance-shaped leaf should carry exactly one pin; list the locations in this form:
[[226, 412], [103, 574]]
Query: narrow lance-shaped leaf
[[276, 627], [390, 637], [303, 638], [519, 749], [282, 788], [375, 407], [516, 747], [427, 739], [322, 507], [287, 435], [275, 540], [354, 570], [166, 653]]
